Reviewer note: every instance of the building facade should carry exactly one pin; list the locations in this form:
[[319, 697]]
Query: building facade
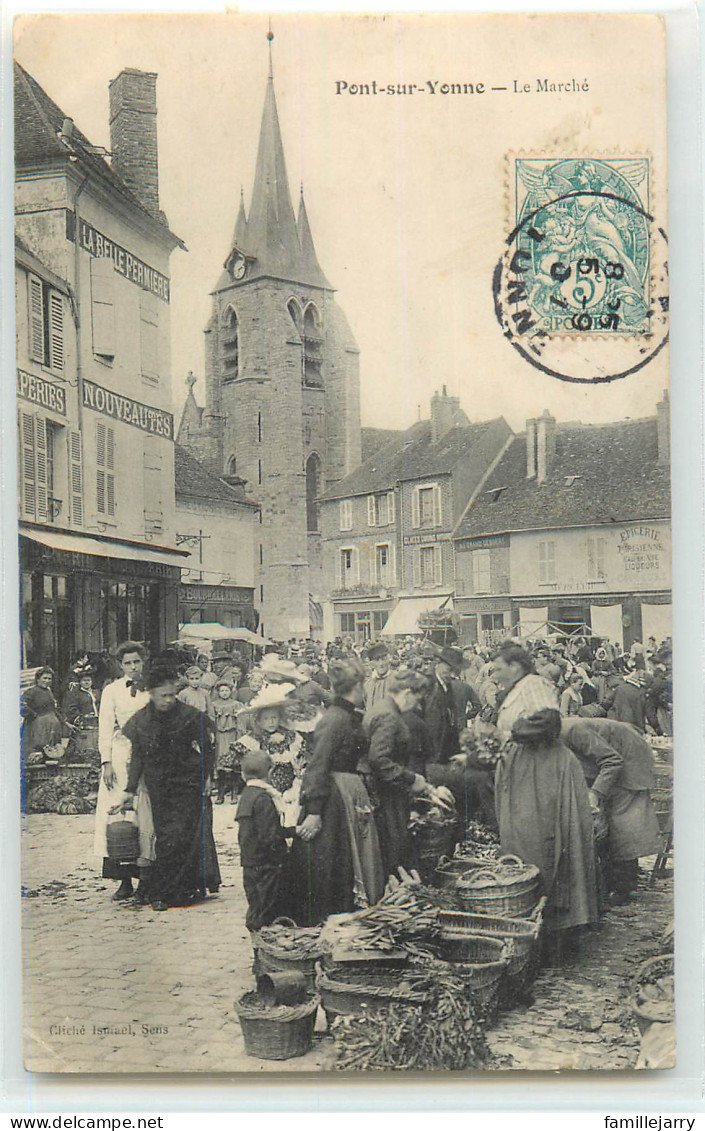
[[571, 534], [388, 528], [217, 524], [99, 562], [282, 401]]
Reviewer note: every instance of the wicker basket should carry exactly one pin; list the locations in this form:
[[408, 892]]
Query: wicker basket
[[484, 978], [280, 1033], [644, 1013], [341, 993], [458, 926], [499, 890], [447, 871], [272, 959]]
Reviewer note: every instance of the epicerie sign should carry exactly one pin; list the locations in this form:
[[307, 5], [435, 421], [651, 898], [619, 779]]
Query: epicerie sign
[[143, 416], [125, 263], [41, 392]]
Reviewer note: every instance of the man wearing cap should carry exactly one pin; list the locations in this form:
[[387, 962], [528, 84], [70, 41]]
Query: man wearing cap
[[443, 707], [375, 686]]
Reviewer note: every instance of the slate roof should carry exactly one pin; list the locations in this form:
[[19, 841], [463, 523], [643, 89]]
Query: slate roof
[[373, 438], [411, 455], [38, 121], [620, 480], [194, 481]]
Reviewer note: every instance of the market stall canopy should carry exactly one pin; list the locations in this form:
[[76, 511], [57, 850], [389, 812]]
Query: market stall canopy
[[404, 619], [214, 632], [104, 548]]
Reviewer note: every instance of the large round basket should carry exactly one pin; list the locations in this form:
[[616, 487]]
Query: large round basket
[[278, 1033], [458, 926], [273, 959], [448, 871], [347, 992], [483, 964], [659, 1010], [508, 888]]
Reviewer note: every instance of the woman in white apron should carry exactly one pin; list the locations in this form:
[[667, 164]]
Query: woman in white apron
[[121, 699]]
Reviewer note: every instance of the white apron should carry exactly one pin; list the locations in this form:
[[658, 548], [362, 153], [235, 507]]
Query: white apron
[[116, 707]]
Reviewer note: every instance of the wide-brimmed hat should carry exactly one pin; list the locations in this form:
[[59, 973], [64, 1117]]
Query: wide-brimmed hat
[[278, 670], [273, 695], [377, 651], [452, 657]]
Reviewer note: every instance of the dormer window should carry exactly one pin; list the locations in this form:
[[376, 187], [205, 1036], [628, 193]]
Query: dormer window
[[496, 494]]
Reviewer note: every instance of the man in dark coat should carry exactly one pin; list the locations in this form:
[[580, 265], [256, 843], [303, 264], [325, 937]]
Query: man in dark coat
[[445, 704], [80, 699], [629, 703], [262, 841]]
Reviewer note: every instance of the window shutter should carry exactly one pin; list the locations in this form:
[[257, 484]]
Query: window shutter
[[339, 569], [103, 308], [542, 562], [391, 517], [551, 561], [374, 578], [110, 493], [56, 330], [356, 565], [110, 448], [415, 508], [591, 565], [437, 514], [392, 568], [371, 515], [346, 514], [152, 481], [416, 554], [100, 490], [438, 564], [36, 319], [40, 449], [75, 478], [28, 486], [100, 444], [149, 335]]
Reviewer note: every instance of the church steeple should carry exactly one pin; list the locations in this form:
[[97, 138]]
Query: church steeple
[[310, 267], [270, 238]]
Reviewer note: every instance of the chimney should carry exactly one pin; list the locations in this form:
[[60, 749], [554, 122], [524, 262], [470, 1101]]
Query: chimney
[[531, 449], [545, 444], [133, 135], [444, 410], [663, 429]]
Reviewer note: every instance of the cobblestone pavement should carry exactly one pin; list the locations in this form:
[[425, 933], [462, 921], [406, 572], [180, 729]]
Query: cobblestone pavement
[[163, 985]]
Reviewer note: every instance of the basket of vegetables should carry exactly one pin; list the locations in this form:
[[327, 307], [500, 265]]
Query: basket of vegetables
[[276, 1032], [343, 991], [509, 887], [286, 947], [460, 929]]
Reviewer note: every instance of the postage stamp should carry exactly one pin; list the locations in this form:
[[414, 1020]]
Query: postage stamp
[[583, 224], [584, 258]]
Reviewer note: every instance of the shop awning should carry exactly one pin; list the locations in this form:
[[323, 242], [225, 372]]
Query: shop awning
[[404, 619], [214, 632], [84, 544]]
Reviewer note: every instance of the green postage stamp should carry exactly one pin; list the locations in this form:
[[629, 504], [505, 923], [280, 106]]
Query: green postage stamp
[[583, 235]]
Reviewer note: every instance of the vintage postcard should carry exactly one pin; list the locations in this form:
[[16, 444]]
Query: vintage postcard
[[344, 543]]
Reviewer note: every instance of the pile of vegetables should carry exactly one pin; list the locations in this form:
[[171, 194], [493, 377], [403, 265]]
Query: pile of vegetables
[[448, 1032], [298, 942]]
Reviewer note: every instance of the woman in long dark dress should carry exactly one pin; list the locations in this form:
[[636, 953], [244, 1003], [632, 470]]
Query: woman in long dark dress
[[172, 745], [336, 862], [40, 712]]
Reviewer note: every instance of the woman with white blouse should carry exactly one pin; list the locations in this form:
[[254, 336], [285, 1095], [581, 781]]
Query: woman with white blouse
[[121, 699]]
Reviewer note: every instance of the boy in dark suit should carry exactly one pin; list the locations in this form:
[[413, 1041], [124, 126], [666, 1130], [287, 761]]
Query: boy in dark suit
[[264, 855]]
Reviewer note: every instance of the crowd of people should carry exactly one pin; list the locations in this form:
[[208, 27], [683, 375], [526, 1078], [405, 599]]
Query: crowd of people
[[326, 749]]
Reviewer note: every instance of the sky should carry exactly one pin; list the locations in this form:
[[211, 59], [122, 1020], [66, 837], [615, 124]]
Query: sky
[[407, 197]]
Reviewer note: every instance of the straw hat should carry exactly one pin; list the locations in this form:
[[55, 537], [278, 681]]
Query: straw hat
[[278, 670], [273, 695]]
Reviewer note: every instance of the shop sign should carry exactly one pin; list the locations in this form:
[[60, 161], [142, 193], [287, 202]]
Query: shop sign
[[126, 264], [641, 549], [212, 594], [482, 605], [424, 539], [143, 416], [113, 569], [482, 543], [41, 392]]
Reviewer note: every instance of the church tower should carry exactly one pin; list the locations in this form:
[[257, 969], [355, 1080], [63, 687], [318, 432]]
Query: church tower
[[282, 404]]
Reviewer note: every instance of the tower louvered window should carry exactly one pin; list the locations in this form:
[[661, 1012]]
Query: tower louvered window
[[231, 346], [312, 338]]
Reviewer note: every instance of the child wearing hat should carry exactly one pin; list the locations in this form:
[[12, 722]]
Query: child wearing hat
[[262, 838]]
